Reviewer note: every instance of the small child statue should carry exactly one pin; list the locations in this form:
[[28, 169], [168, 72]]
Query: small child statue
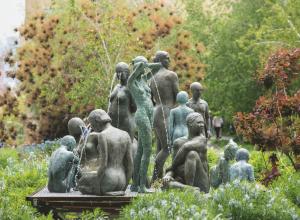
[[219, 174], [177, 120], [242, 170], [61, 172]]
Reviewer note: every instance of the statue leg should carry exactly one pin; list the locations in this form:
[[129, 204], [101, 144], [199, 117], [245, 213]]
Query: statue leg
[[146, 142], [190, 167], [162, 155], [137, 164], [195, 173]]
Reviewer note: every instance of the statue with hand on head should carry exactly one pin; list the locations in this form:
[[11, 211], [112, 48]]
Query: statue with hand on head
[[242, 170], [190, 166], [141, 93], [62, 166], [122, 106], [219, 174], [164, 87], [109, 169], [177, 120], [200, 105]]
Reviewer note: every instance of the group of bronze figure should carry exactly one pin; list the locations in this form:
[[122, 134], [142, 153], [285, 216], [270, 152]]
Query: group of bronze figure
[[101, 156]]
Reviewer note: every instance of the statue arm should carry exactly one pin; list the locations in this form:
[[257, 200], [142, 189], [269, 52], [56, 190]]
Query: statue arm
[[132, 105], [103, 158], [207, 119], [136, 73], [250, 174], [114, 93], [128, 162], [175, 87], [171, 126], [154, 67]]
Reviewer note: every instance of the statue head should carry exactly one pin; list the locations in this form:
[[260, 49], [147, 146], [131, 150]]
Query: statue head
[[230, 150], [139, 59], [122, 72], [242, 154], [162, 57], [98, 119], [68, 141], [195, 123], [75, 126], [196, 89], [182, 97]]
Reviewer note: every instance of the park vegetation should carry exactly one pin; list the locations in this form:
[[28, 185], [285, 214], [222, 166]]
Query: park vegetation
[[245, 53]]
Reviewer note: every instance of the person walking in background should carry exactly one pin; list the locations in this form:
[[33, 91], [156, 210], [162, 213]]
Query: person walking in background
[[217, 123]]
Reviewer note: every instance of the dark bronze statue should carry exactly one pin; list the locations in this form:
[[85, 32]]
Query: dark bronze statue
[[62, 166], [110, 164], [122, 106], [200, 105], [76, 128], [164, 87], [190, 166]]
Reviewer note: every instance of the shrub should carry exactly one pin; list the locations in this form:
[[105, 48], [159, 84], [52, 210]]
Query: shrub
[[289, 184], [168, 205], [7, 154], [243, 200]]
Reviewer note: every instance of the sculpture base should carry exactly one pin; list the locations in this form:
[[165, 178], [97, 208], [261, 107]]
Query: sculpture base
[[74, 201]]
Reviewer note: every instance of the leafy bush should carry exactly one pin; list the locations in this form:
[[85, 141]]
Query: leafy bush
[[289, 184], [168, 205], [243, 200], [7, 154], [20, 177]]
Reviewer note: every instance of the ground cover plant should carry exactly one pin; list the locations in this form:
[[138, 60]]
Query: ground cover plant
[[24, 171]]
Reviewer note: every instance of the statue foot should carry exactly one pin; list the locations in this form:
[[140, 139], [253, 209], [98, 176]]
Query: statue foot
[[143, 189], [134, 188]]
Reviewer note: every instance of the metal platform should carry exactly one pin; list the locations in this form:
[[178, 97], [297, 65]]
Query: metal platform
[[74, 201]]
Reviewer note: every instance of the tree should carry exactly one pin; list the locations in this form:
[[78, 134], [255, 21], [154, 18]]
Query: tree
[[274, 123]]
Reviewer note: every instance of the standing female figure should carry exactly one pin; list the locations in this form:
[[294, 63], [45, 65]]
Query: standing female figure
[[122, 106], [141, 93]]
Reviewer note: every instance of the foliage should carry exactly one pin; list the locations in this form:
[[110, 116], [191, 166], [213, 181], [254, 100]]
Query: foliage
[[239, 36], [243, 200], [66, 64], [274, 123], [289, 183], [6, 155], [20, 177], [238, 200], [168, 205]]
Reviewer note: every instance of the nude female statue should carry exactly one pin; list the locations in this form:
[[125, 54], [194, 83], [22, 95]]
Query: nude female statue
[[109, 168], [190, 166], [177, 120], [122, 106], [137, 84]]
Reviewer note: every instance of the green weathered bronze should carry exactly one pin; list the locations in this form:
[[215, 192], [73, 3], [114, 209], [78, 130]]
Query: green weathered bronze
[[62, 166], [219, 174], [177, 120], [242, 170], [137, 84]]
